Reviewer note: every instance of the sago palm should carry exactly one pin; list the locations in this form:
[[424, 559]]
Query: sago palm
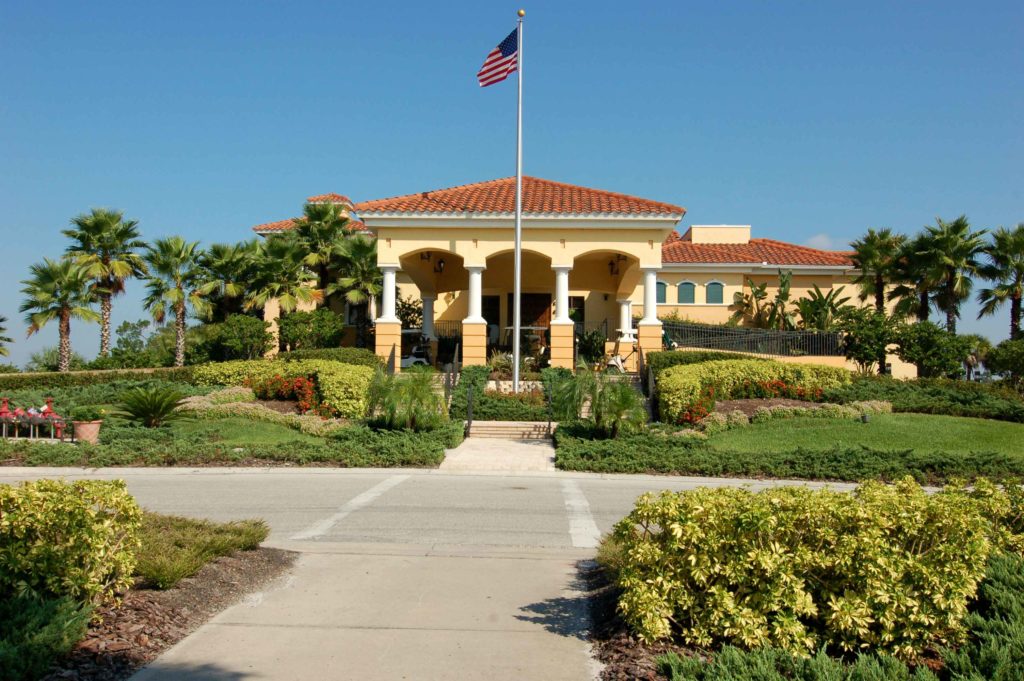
[[319, 231], [281, 274], [1005, 268], [955, 251], [173, 285], [58, 290], [151, 407], [4, 339], [876, 255], [107, 246]]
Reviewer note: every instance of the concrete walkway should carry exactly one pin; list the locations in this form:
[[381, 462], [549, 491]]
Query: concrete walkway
[[493, 455]]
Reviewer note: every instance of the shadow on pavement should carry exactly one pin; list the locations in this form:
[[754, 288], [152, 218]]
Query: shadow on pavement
[[565, 615], [200, 672]]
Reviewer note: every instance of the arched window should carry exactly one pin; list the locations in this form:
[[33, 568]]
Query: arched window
[[662, 288], [714, 293], [685, 293]]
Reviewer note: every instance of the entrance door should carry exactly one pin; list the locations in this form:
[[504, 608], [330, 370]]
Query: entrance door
[[534, 309]]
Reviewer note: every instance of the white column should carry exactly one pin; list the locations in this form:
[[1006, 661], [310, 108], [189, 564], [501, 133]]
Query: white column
[[625, 321], [428, 316], [562, 296], [387, 303], [650, 296], [476, 287]]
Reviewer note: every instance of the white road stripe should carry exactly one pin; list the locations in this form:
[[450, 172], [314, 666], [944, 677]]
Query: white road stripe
[[582, 527], [322, 527]]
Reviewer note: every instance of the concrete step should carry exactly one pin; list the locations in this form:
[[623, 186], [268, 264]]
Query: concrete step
[[510, 430]]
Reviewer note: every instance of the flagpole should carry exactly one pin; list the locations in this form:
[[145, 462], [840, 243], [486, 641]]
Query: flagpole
[[517, 265]]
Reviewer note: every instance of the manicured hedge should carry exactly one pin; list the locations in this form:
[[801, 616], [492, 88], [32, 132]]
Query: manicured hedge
[[67, 379], [342, 386], [661, 360], [355, 446], [75, 539], [935, 396], [888, 568], [688, 392], [773, 664], [360, 356], [655, 451]]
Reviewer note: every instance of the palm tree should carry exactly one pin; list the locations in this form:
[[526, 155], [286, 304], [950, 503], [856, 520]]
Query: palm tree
[[955, 250], [4, 340], [224, 271], [876, 255], [105, 244], [61, 290], [361, 280], [174, 283], [1005, 267], [281, 273], [322, 227], [918, 274]]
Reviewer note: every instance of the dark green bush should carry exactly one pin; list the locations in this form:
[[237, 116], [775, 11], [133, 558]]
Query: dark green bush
[[934, 396], [321, 328], [659, 361], [491, 406], [244, 337], [772, 664], [52, 380], [935, 352], [359, 356], [67, 398], [1007, 358], [35, 632], [658, 451]]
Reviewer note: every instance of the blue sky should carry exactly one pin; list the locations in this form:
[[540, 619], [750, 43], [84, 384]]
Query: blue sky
[[809, 120]]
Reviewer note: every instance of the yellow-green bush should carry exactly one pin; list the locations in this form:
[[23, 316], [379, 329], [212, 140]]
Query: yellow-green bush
[[886, 568], [682, 388], [343, 387], [75, 539]]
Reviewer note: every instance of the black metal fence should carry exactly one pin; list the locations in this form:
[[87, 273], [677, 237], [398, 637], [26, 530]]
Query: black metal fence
[[754, 341], [448, 328], [587, 327]]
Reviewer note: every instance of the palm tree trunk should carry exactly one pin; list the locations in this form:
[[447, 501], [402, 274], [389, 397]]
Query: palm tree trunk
[[64, 331], [105, 308], [179, 335], [951, 306], [1015, 310], [879, 293], [922, 307]]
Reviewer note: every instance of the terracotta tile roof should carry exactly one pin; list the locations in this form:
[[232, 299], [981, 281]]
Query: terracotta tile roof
[[539, 197], [285, 225], [329, 198], [675, 249]]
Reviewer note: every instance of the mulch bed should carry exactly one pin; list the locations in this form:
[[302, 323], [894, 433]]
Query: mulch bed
[[148, 622], [623, 656], [281, 406], [748, 407]]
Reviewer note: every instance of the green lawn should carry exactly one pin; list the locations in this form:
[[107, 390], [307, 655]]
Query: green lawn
[[920, 432], [241, 432]]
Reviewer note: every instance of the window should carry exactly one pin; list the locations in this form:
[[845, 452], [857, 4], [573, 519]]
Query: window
[[685, 293], [662, 287], [714, 293]]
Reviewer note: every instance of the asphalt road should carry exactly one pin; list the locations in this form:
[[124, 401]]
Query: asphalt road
[[403, 573]]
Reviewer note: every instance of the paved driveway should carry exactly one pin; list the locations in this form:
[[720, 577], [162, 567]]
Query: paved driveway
[[403, 574]]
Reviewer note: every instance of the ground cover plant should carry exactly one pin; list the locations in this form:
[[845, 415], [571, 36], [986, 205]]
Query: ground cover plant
[[490, 405], [669, 450], [934, 396], [884, 571]]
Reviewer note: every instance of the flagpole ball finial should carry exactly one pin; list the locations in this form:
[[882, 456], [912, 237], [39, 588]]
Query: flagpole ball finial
[[521, 13]]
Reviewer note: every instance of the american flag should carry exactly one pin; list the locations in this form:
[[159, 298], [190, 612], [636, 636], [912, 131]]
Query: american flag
[[503, 60]]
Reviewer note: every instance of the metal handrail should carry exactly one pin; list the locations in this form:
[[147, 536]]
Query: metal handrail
[[768, 342]]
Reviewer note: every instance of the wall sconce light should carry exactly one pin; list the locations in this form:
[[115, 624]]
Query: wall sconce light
[[439, 266], [425, 256], [613, 267]]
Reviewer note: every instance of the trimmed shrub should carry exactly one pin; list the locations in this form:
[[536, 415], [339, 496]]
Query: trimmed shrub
[[359, 356], [494, 406], [661, 360], [341, 387], [321, 328], [243, 336], [687, 393], [934, 396], [55, 379], [35, 632], [75, 539], [889, 568], [65, 399]]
